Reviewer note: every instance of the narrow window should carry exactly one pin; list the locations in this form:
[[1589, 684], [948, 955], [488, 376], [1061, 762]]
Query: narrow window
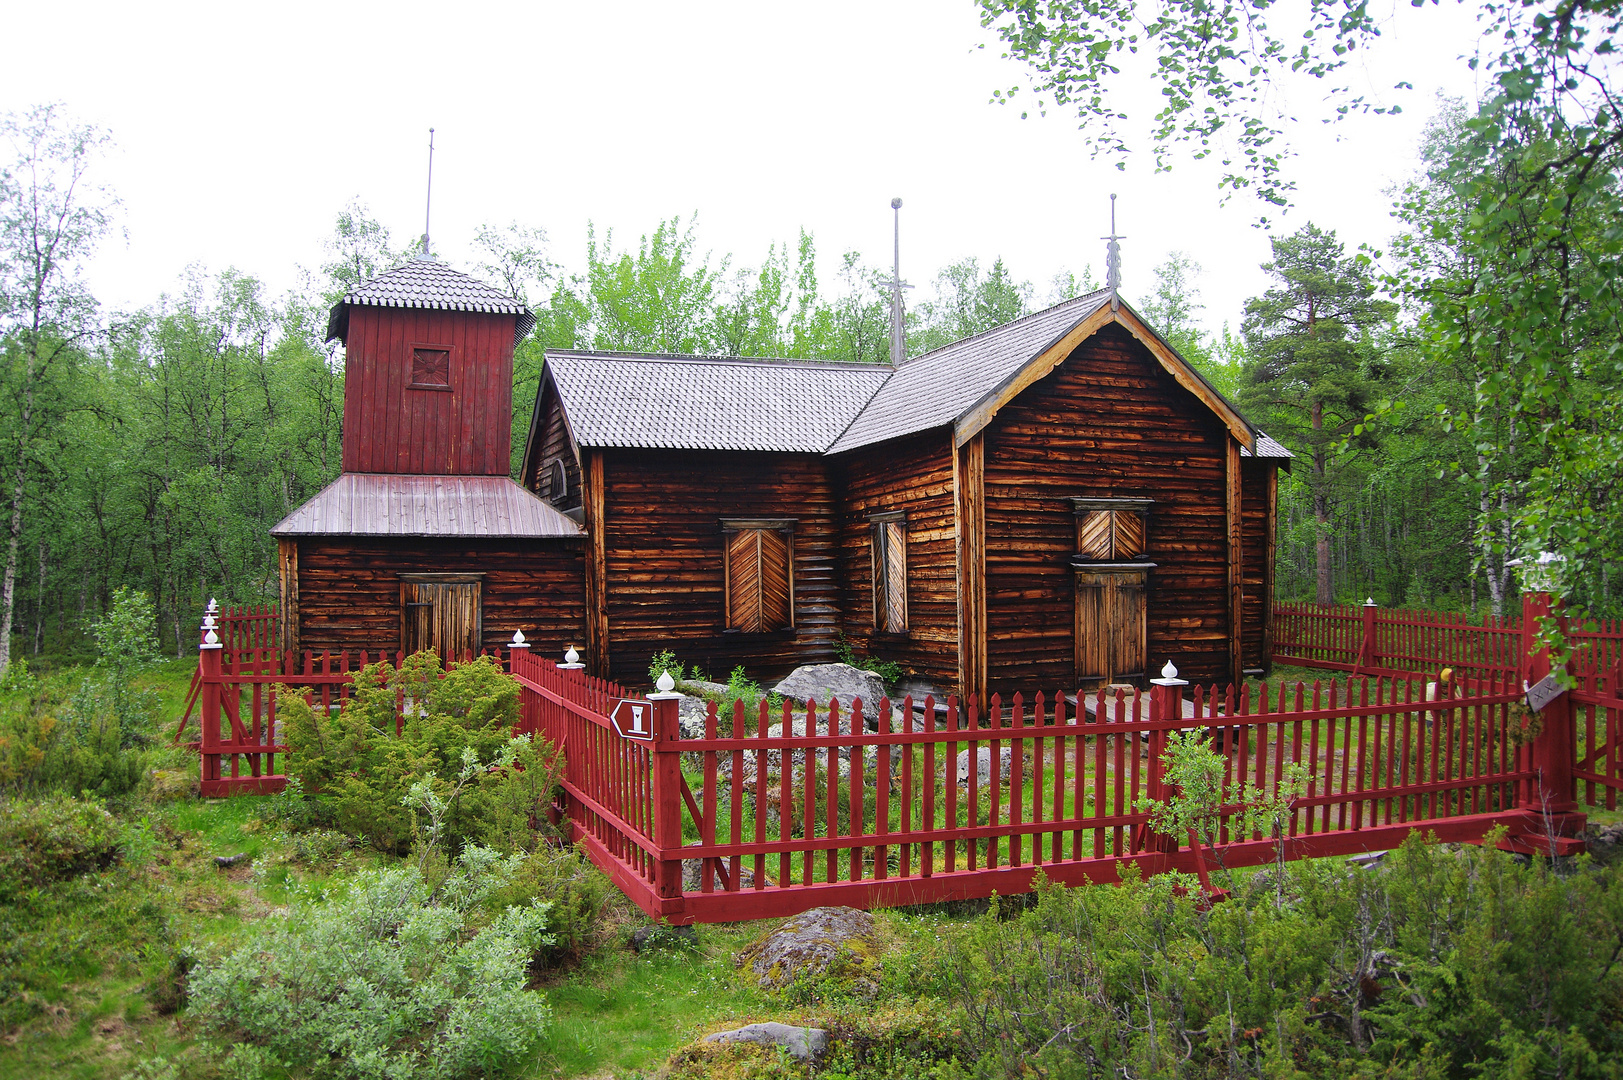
[[759, 575], [889, 573], [430, 368]]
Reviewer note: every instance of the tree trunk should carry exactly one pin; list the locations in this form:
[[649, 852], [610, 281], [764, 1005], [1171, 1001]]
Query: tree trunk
[[8, 589], [1321, 512]]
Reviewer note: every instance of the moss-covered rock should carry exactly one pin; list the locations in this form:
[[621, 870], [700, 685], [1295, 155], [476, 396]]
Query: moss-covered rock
[[825, 942]]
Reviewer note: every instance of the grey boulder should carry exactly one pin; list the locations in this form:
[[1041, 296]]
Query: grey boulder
[[820, 682], [983, 765], [835, 941], [804, 1043]]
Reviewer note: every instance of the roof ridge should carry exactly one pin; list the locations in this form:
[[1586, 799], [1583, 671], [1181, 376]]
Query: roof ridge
[[720, 360]]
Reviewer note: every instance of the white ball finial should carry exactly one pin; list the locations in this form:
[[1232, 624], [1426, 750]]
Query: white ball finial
[[518, 638], [571, 656], [1370, 602], [211, 638], [1169, 672], [666, 684], [214, 605]]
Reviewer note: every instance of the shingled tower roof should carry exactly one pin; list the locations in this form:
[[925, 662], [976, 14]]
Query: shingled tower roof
[[425, 282]]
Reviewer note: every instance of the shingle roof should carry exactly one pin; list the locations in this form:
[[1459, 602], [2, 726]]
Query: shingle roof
[[689, 402], [381, 504], [1267, 447], [428, 283], [728, 403], [940, 386]]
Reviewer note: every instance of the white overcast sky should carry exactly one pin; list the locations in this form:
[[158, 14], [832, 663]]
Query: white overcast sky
[[242, 129]]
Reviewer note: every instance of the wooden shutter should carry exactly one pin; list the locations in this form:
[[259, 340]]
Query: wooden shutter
[[1110, 626], [890, 576], [759, 580], [1110, 535]]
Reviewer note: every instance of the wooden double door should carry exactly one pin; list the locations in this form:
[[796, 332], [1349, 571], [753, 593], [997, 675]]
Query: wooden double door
[[1110, 624], [443, 612]]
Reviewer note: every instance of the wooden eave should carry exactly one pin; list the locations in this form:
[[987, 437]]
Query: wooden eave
[[981, 414]]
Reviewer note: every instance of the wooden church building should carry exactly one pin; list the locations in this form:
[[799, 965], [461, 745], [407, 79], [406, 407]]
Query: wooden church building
[[1054, 503]]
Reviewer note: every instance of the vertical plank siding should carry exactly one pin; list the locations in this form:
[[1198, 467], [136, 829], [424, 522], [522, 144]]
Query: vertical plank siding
[[913, 476], [664, 558], [1107, 422], [391, 427], [349, 589], [555, 445]]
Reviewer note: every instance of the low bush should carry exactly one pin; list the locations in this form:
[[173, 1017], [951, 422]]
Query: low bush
[[366, 772], [578, 895], [1442, 963], [52, 838], [391, 979]]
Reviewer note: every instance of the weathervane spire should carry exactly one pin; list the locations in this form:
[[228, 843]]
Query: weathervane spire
[[898, 321], [428, 200], [1113, 259]]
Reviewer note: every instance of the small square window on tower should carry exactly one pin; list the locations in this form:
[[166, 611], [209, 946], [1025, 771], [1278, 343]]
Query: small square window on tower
[[430, 368]]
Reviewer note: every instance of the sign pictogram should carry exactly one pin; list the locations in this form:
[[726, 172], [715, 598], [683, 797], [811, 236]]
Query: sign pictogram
[[633, 718]]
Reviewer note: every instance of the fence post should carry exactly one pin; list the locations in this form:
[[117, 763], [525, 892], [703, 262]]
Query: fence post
[[1366, 648], [667, 793], [1549, 792], [208, 662], [1166, 703]]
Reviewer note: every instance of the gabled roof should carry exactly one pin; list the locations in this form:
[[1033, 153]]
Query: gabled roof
[[713, 403], [385, 504], [656, 401], [940, 386], [425, 282]]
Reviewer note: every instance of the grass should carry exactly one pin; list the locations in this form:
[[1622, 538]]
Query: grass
[[623, 1013]]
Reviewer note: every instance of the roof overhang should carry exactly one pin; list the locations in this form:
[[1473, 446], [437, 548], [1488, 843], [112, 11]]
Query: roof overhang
[[973, 421]]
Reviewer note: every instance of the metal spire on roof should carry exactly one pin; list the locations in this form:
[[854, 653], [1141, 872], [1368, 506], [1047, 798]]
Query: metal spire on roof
[[1113, 259], [428, 200], [898, 319]]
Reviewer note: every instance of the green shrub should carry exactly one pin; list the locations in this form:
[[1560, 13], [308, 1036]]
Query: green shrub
[[52, 838], [389, 980], [889, 671], [63, 733], [1443, 962], [664, 661], [578, 895], [365, 772]]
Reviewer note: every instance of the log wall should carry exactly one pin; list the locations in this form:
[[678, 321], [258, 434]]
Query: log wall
[[912, 475], [1107, 422], [389, 427], [349, 590], [1256, 527], [663, 558]]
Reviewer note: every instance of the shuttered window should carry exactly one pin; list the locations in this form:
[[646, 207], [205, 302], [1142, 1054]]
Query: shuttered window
[[760, 581], [1111, 530], [889, 573]]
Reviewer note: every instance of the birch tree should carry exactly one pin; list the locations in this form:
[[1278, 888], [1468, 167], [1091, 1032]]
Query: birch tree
[[52, 215]]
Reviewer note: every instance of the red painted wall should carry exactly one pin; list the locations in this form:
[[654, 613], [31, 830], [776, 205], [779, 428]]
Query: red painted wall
[[391, 428]]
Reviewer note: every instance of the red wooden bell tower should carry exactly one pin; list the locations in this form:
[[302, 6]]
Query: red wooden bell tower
[[428, 378]]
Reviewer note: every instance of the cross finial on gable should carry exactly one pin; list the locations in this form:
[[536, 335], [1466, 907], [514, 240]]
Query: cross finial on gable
[[1113, 259]]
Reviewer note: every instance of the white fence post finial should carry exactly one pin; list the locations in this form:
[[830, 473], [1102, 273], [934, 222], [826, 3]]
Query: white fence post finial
[[571, 660]]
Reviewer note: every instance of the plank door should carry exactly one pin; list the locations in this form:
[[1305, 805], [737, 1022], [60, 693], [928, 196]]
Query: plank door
[[445, 616], [1110, 626]]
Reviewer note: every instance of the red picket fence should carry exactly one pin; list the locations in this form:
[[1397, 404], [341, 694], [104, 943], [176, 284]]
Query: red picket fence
[[1598, 701], [771, 812], [778, 812], [1373, 640]]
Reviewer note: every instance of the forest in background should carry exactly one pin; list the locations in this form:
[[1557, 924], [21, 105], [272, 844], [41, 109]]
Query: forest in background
[[156, 448]]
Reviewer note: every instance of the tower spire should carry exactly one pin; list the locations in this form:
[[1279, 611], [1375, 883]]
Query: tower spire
[[898, 319], [428, 199], [1113, 259]]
